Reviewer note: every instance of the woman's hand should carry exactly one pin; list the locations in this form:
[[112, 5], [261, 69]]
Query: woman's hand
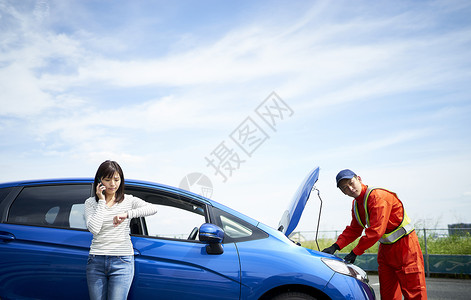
[[100, 188], [119, 219]]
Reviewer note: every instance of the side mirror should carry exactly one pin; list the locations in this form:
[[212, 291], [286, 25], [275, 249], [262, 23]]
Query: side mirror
[[213, 236]]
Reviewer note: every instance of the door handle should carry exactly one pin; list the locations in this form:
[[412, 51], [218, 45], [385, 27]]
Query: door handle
[[6, 236]]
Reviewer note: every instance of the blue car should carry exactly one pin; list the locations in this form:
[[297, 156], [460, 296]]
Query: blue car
[[193, 248]]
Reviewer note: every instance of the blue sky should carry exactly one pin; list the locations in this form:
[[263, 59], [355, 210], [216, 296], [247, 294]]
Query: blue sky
[[161, 87]]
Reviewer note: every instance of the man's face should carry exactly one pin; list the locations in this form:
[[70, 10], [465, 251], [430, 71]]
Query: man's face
[[351, 187]]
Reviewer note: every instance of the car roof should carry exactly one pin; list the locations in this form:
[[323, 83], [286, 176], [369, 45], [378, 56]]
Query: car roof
[[132, 182], [44, 181]]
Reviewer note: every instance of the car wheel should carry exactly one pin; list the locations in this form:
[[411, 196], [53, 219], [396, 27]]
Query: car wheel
[[193, 234], [293, 296]]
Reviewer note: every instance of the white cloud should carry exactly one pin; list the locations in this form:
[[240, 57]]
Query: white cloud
[[21, 97], [329, 63]]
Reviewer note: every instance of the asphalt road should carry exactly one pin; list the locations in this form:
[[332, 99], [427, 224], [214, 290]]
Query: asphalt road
[[437, 288]]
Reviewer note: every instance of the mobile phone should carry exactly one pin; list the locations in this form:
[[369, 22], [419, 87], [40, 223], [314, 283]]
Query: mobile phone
[[99, 182]]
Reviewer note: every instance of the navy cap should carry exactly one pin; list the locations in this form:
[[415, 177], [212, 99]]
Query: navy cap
[[345, 174]]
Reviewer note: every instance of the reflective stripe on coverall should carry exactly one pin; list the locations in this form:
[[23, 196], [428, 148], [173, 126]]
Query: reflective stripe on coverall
[[404, 228], [400, 265]]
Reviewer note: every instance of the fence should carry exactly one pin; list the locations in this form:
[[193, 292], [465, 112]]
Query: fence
[[446, 251]]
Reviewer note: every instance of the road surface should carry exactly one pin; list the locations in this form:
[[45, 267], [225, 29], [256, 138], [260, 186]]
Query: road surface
[[437, 288]]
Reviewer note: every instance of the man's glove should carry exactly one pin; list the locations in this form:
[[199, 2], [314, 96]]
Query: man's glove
[[350, 258], [331, 249]]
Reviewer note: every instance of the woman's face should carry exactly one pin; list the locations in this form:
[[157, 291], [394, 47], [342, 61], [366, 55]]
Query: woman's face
[[111, 183], [351, 187]]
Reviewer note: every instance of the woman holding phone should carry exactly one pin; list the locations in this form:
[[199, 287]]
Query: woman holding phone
[[110, 265]]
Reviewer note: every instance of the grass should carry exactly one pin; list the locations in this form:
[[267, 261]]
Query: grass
[[450, 245]]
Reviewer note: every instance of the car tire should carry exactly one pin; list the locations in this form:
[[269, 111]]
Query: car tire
[[293, 296]]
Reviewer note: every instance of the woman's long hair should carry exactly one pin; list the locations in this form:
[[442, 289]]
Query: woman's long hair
[[105, 170]]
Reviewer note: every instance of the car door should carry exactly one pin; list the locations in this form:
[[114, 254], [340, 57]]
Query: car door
[[170, 262], [43, 244]]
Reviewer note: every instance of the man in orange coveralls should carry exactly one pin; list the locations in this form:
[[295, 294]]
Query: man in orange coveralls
[[381, 214]]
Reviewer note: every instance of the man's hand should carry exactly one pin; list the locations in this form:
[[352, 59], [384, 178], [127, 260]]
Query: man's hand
[[350, 258], [331, 249]]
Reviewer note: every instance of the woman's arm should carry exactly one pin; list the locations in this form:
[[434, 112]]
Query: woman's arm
[[94, 214], [141, 208]]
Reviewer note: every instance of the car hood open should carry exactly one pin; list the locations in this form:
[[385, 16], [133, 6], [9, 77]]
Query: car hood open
[[292, 214]]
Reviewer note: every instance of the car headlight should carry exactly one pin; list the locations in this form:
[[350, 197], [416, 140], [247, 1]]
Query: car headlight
[[346, 269]]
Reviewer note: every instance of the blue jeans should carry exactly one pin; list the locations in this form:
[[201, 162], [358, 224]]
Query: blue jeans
[[109, 277]]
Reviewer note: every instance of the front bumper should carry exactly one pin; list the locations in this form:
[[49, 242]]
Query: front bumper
[[348, 279]]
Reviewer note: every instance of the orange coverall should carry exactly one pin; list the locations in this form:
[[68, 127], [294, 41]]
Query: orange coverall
[[400, 265]]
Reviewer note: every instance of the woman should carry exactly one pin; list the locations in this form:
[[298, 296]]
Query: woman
[[110, 266]]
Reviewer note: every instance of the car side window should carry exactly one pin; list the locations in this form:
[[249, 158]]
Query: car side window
[[236, 229], [4, 192], [77, 216], [176, 216], [60, 206]]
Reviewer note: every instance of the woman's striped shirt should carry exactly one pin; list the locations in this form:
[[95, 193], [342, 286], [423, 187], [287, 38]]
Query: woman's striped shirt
[[107, 239]]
